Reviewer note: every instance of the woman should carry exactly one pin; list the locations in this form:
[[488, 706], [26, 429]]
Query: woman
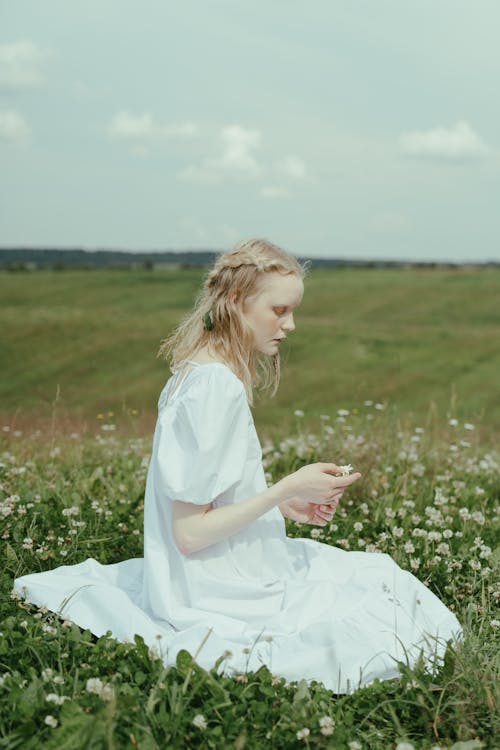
[[219, 576]]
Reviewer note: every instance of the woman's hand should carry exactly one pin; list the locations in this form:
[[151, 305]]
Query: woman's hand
[[302, 511], [316, 484]]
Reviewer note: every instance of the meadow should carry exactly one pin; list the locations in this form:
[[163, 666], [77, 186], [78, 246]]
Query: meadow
[[400, 381], [416, 340]]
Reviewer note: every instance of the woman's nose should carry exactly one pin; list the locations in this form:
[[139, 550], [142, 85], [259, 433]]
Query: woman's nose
[[288, 324]]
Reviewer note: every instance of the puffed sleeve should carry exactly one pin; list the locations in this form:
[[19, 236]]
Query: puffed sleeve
[[203, 440]]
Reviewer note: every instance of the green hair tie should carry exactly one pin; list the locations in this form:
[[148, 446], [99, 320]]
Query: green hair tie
[[207, 321]]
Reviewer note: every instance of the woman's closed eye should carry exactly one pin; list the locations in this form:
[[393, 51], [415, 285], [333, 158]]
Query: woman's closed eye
[[280, 311]]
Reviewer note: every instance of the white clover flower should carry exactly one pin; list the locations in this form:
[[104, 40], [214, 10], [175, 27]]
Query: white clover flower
[[327, 725], [453, 422], [303, 733], [358, 526], [298, 413], [324, 417], [434, 536], [343, 412], [469, 426], [414, 563], [57, 699], [404, 746], [495, 623], [51, 721], [409, 548], [354, 745], [94, 685], [368, 402], [47, 674], [200, 721]]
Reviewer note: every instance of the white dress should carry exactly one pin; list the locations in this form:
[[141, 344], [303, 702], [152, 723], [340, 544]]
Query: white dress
[[304, 608]]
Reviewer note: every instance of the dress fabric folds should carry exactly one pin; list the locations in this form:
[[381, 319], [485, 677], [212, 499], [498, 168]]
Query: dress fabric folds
[[304, 608]]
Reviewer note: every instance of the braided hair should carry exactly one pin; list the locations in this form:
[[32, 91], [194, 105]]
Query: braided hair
[[216, 321]]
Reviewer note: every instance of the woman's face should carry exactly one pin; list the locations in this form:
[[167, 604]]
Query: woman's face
[[269, 311]]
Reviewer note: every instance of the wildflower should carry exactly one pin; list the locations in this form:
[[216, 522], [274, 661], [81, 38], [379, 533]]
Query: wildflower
[[57, 699], [51, 721], [94, 685], [345, 470], [469, 426], [200, 721], [368, 402], [404, 746], [358, 526], [327, 724], [409, 548], [414, 563], [453, 422], [343, 412], [73, 511], [303, 733], [324, 417], [495, 623], [298, 413], [354, 745], [379, 407]]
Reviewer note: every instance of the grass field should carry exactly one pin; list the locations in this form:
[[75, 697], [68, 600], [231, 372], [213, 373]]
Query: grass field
[[418, 341], [411, 360]]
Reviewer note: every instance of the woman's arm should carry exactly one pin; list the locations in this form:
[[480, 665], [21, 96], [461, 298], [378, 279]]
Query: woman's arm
[[197, 526]]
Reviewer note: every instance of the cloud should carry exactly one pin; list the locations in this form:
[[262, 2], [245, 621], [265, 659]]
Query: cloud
[[292, 166], [20, 65], [13, 126], [456, 143], [140, 128], [274, 191], [237, 157]]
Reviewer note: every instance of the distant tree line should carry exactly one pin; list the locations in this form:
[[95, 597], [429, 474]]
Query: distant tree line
[[32, 259]]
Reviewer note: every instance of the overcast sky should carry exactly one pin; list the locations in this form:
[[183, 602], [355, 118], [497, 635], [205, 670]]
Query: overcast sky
[[350, 129]]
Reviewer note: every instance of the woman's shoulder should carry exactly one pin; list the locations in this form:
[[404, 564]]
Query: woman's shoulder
[[213, 378], [194, 384]]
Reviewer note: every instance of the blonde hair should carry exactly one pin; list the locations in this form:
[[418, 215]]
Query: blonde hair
[[239, 271]]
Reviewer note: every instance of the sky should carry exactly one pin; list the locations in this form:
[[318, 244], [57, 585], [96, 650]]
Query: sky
[[363, 129]]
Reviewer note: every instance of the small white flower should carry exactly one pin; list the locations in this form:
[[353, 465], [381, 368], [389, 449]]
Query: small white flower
[[94, 685], [57, 699], [298, 413], [345, 469], [200, 721], [358, 526], [404, 746], [51, 721], [327, 725], [303, 733], [453, 422], [469, 426], [354, 745], [495, 623], [343, 412]]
